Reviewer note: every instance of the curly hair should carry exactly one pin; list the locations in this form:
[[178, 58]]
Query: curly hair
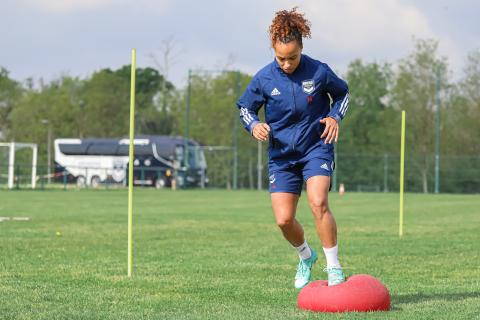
[[288, 26]]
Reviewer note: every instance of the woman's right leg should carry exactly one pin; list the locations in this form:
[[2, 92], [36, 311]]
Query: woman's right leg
[[284, 207]]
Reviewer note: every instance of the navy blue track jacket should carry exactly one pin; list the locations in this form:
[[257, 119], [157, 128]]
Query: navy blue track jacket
[[294, 105]]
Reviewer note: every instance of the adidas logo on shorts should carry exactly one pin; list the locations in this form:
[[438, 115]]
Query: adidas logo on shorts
[[272, 178], [325, 166]]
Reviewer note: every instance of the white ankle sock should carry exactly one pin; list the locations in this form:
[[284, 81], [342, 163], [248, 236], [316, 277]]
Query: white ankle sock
[[304, 251], [332, 257]]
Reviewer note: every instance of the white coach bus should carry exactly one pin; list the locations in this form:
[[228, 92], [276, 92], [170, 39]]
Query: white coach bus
[[157, 161]]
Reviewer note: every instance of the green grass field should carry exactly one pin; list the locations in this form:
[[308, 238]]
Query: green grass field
[[219, 255]]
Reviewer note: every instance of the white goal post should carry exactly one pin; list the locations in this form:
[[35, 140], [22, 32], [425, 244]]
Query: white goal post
[[14, 146]]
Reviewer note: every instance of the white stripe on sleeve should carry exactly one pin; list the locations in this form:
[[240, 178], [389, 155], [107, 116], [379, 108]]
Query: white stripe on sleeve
[[344, 106]]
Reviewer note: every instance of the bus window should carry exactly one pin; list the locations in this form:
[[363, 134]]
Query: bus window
[[179, 152], [197, 158]]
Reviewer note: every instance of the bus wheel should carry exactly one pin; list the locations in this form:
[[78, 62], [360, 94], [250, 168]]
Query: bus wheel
[[81, 181], [160, 183], [95, 182]]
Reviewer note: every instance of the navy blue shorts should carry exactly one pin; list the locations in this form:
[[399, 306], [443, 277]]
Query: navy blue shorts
[[291, 179]]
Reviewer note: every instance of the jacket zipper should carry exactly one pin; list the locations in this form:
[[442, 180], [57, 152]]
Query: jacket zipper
[[294, 114]]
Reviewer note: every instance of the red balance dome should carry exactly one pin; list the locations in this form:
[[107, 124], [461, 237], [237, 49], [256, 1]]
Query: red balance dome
[[360, 292]]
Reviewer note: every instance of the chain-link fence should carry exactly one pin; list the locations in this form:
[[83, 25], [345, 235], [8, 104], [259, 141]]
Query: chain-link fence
[[358, 173], [101, 178], [458, 174]]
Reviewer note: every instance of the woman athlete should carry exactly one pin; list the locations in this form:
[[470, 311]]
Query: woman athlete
[[304, 101]]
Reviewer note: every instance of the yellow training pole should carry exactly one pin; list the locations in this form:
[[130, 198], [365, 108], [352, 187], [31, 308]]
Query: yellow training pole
[[402, 171], [130, 162]]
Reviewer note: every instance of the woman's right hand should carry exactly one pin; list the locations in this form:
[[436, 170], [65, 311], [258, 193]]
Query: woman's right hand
[[261, 131]]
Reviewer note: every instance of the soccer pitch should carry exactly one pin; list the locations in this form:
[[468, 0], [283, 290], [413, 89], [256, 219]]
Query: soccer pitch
[[218, 255]]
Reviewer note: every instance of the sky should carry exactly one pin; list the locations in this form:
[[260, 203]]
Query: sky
[[50, 38]]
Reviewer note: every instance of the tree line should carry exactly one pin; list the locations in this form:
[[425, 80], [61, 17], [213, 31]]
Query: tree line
[[98, 106]]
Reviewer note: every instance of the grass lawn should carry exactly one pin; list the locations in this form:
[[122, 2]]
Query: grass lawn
[[218, 255]]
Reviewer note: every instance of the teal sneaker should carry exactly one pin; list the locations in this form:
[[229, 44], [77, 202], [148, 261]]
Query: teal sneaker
[[304, 270], [335, 276]]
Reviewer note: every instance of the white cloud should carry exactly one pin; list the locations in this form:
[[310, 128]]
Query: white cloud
[[59, 6], [70, 6], [84, 35], [365, 26]]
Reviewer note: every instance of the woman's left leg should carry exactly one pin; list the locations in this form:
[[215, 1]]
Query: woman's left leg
[[326, 227], [317, 192]]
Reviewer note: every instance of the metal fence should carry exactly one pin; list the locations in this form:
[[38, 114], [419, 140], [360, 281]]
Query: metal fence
[[458, 174], [357, 173], [89, 177]]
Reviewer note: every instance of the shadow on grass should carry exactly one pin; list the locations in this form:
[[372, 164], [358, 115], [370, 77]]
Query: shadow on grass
[[422, 297]]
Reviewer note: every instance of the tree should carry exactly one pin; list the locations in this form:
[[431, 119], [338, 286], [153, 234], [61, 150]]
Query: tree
[[366, 124], [213, 119], [106, 97], [10, 93], [169, 57], [366, 132], [460, 144], [154, 115], [94, 107], [51, 106], [106, 104], [469, 88], [414, 92]]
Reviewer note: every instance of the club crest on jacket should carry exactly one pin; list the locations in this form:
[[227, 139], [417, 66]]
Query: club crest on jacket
[[308, 86]]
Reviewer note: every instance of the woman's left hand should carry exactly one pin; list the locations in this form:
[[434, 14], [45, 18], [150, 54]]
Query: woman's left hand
[[330, 133]]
